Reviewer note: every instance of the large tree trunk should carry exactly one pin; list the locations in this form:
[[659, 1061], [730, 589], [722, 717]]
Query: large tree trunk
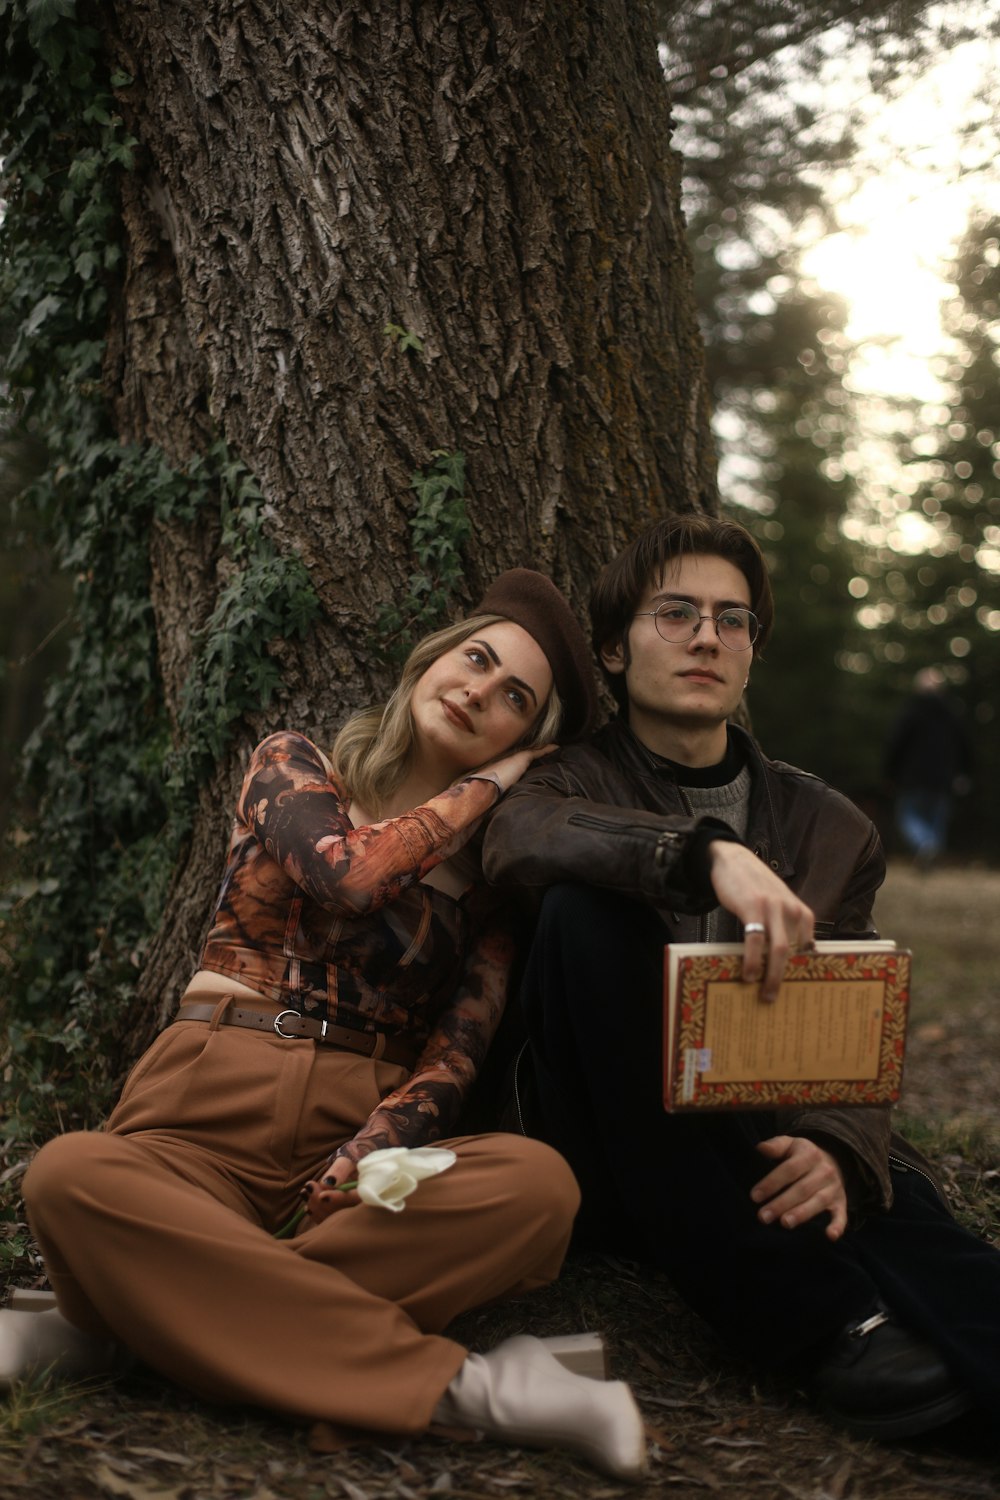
[[493, 176]]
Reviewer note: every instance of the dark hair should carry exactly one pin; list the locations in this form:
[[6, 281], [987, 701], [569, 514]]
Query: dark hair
[[620, 587]]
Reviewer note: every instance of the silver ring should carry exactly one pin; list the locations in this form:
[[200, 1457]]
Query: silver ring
[[755, 927]]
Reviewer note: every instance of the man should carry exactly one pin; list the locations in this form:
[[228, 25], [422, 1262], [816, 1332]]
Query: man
[[928, 759], [806, 1245]]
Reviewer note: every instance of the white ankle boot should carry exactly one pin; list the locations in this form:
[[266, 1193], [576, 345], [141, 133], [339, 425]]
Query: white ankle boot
[[31, 1342], [519, 1392]]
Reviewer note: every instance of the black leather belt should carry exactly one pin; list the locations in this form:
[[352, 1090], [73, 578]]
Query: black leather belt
[[291, 1024]]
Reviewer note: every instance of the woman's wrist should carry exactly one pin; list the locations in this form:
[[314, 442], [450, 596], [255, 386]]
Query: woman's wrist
[[490, 776]]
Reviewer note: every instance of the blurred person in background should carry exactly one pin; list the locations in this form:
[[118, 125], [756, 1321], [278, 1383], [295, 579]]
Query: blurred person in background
[[928, 759]]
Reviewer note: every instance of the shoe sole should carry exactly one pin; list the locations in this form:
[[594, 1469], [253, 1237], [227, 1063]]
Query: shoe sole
[[23, 1300], [905, 1423], [580, 1353]]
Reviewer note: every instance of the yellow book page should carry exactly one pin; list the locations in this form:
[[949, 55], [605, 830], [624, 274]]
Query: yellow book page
[[835, 1024]]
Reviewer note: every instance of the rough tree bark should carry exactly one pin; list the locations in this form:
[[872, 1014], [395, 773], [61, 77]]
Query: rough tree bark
[[492, 175]]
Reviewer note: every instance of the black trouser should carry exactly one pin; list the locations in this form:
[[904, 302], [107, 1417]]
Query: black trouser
[[675, 1189]]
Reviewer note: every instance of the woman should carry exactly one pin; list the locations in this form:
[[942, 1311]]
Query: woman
[[346, 994]]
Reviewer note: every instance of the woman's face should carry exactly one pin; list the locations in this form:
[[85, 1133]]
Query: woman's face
[[478, 699]]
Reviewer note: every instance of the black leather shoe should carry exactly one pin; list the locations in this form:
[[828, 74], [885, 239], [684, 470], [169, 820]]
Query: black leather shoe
[[881, 1381]]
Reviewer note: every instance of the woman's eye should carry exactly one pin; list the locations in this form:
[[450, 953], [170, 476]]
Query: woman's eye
[[516, 697], [477, 657]]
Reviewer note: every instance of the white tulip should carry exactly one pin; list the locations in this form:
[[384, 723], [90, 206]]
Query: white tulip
[[387, 1178]]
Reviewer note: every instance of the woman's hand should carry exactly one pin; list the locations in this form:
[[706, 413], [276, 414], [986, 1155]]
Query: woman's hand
[[807, 1181], [324, 1196], [511, 767], [780, 921]]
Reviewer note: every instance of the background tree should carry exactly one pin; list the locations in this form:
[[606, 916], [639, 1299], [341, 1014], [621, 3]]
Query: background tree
[[785, 425], [276, 298], [762, 125], [362, 259], [34, 603], [754, 86], [941, 606]]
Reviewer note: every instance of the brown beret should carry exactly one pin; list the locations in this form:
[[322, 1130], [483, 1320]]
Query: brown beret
[[532, 601]]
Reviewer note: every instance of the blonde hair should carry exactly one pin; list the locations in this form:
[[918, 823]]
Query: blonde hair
[[372, 751]]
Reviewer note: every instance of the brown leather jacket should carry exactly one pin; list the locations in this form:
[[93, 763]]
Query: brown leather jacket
[[609, 813]]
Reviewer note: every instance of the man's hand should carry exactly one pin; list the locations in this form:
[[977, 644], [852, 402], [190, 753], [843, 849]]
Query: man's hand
[[807, 1181], [746, 887]]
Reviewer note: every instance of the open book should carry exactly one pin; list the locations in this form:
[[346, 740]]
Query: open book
[[835, 1034]]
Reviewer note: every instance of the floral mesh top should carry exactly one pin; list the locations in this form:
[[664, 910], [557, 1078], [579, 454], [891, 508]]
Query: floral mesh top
[[333, 921]]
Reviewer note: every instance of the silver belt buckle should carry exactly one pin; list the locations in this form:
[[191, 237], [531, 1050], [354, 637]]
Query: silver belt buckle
[[289, 1036]]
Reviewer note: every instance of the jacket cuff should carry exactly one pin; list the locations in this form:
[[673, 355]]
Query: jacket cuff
[[695, 867], [490, 776]]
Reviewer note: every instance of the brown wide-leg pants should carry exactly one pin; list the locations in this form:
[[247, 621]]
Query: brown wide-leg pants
[[159, 1231]]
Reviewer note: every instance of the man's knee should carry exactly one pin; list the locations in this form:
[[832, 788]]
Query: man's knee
[[586, 914], [570, 903], [595, 941]]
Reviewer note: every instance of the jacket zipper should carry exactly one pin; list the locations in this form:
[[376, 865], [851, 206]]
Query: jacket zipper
[[908, 1166], [588, 820]]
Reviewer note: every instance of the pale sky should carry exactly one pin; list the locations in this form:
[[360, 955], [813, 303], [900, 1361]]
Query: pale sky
[[927, 159]]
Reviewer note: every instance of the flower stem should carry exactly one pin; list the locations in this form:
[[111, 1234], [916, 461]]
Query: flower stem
[[287, 1230]]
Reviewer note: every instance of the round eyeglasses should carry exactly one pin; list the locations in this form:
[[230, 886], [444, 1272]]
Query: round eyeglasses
[[676, 620]]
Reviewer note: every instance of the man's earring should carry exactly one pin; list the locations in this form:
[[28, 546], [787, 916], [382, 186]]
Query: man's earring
[[745, 681]]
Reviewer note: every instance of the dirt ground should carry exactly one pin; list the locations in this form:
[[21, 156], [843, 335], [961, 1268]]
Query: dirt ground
[[714, 1429], [951, 919]]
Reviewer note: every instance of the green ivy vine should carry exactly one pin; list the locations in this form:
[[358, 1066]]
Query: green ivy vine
[[266, 596], [109, 782], [439, 527]]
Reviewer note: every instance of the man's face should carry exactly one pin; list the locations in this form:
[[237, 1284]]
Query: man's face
[[686, 687]]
